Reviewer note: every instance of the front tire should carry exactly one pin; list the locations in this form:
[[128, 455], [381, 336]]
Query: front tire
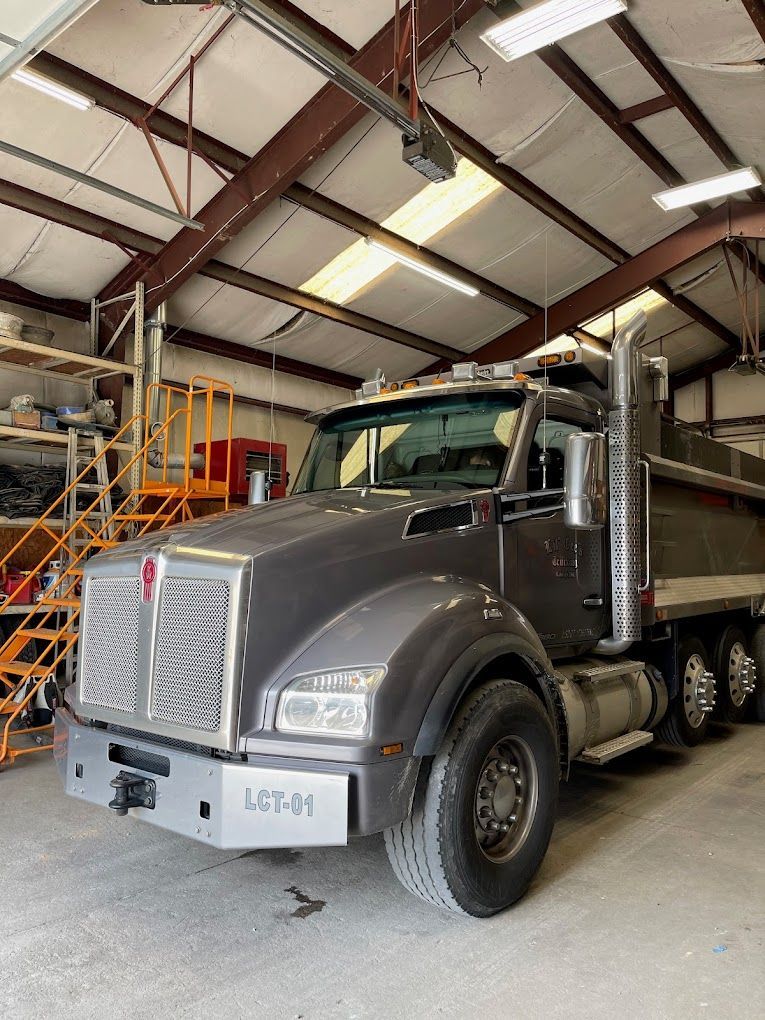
[[484, 807]]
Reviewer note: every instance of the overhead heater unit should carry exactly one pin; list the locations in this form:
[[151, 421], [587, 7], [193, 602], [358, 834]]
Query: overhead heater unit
[[430, 155]]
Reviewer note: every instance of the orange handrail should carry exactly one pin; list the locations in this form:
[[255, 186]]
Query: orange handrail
[[175, 504]]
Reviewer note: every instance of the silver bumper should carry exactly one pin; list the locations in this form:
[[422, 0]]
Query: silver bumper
[[250, 807]]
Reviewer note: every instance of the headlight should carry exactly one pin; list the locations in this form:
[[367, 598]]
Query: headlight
[[336, 703]]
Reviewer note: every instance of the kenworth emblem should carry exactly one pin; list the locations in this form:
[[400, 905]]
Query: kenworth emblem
[[148, 577]]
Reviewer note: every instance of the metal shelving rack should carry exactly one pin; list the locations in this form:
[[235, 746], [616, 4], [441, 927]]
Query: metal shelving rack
[[73, 367]]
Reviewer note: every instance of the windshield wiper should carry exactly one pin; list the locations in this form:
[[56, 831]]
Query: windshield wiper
[[400, 483]]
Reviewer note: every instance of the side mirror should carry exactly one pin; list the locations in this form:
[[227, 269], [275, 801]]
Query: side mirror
[[585, 506]]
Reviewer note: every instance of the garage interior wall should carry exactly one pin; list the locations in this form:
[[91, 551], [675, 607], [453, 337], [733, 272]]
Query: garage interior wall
[[179, 365], [733, 396]]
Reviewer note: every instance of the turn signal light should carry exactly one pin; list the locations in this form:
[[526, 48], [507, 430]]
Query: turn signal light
[[549, 359], [410, 384], [569, 356], [391, 749]]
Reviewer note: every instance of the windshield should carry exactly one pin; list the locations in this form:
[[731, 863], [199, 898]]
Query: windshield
[[455, 441]]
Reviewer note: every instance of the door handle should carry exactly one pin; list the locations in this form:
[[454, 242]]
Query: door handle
[[593, 603]]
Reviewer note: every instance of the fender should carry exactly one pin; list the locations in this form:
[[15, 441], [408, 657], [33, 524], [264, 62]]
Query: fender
[[461, 675], [433, 635]]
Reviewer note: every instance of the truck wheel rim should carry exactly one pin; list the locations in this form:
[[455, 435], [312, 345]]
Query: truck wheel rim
[[506, 799], [698, 690], [739, 674]]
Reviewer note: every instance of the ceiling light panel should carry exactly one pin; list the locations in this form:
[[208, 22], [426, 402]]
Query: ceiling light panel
[[419, 267], [712, 187], [429, 212], [546, 23], [48, 87]]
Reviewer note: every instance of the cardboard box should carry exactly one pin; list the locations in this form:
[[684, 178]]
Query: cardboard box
[[26, 419]]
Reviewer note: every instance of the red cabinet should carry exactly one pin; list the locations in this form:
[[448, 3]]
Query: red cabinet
[[247, 455]]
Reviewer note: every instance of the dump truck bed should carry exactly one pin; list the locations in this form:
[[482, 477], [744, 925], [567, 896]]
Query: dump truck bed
[[707, 527]]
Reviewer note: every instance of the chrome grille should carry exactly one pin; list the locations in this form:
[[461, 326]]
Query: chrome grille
[[190, 652], [109, 652]]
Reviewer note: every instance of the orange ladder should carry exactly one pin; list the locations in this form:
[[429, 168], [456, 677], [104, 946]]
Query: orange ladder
[[30, 655]]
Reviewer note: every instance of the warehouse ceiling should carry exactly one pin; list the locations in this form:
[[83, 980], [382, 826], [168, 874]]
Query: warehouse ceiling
[[593, 175]]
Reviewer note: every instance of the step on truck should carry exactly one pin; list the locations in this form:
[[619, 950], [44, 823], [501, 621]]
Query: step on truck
[[480, 578]]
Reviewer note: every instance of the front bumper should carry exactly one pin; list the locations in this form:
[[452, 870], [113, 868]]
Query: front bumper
[[236, 805]]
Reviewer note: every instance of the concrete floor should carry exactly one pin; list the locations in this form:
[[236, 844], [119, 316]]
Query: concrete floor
[[651, 903]]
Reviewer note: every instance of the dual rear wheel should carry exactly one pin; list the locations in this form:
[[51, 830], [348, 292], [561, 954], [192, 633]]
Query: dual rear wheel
[[722, 686]]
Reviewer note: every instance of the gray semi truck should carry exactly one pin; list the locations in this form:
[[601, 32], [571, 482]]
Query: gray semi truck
[[480, 578]]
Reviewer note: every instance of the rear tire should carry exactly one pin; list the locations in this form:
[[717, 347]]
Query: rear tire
[[686, 722], [484, 807], [758, 654], [732, 697]]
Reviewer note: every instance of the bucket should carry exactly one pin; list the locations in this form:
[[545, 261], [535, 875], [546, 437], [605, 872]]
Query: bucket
[[37, 335]]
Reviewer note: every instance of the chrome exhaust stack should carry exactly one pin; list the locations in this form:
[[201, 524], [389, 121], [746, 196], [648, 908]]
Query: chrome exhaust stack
[[624, 481]]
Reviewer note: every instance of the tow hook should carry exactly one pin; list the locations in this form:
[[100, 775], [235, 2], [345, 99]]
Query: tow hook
[[132, 791]]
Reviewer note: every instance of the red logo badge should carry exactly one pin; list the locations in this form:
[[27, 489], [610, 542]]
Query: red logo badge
[[148, 576]]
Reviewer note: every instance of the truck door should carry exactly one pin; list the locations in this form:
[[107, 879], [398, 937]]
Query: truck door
[[555, 575]]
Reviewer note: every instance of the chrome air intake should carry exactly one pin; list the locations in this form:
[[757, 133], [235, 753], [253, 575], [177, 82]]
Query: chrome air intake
[[624, 482]]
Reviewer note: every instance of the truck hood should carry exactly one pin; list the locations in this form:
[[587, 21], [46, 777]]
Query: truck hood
[[254, 530]]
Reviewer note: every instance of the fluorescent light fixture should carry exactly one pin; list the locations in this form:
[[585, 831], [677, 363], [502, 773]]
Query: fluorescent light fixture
[[426, 214], [52, 88], [418, 267], [711, 187], [545, 23]]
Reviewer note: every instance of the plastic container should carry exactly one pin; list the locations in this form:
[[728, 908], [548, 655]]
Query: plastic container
[[22, 581]]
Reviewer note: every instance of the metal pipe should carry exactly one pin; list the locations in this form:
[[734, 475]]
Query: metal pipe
[[257, 490], [154, 339], [175, 461], [320, 58], [624, 480], [60, 18], [99, 185]]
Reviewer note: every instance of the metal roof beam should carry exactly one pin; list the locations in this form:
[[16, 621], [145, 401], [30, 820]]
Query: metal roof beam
[[18, 295], [175, 131], [640, 111], [640, 49], [321, 123], [734, 219], [126, 238], [572, 75], [365, 227], [756, 11], [80, 311]]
